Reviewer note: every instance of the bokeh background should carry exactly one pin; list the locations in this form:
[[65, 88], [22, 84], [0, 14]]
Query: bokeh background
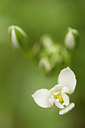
[[20, 78]]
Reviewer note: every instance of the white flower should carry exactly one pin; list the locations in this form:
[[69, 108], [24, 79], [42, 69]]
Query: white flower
[[18, 37], [71, 38], [58, 94]]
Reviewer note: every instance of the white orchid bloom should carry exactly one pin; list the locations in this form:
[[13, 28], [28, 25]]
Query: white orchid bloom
[[58, 94]]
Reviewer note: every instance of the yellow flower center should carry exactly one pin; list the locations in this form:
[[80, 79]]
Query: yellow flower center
[[58, 96]]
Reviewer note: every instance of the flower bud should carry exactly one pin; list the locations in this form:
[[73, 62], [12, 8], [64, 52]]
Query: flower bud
[[71, 38], [46, 41], [18, 37], [45, 64]]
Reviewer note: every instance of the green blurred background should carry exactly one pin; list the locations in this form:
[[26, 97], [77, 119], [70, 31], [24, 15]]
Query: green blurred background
[[20, 78]]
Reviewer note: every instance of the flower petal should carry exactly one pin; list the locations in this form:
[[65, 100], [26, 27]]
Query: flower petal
[[41, 97], [14, 39], [65, 90], [67, 78], [58, 104], [56, 88], [51, 100], [65, 99], [68, 108]]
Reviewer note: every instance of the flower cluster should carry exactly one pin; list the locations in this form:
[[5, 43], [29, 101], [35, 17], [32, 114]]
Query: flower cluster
[[52, 54], [48, 53], [58, 95]]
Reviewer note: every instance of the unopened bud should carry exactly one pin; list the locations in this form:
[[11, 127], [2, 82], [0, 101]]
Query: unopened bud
[[45, 64], [18, 37], [71, 38], [46, 41]]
